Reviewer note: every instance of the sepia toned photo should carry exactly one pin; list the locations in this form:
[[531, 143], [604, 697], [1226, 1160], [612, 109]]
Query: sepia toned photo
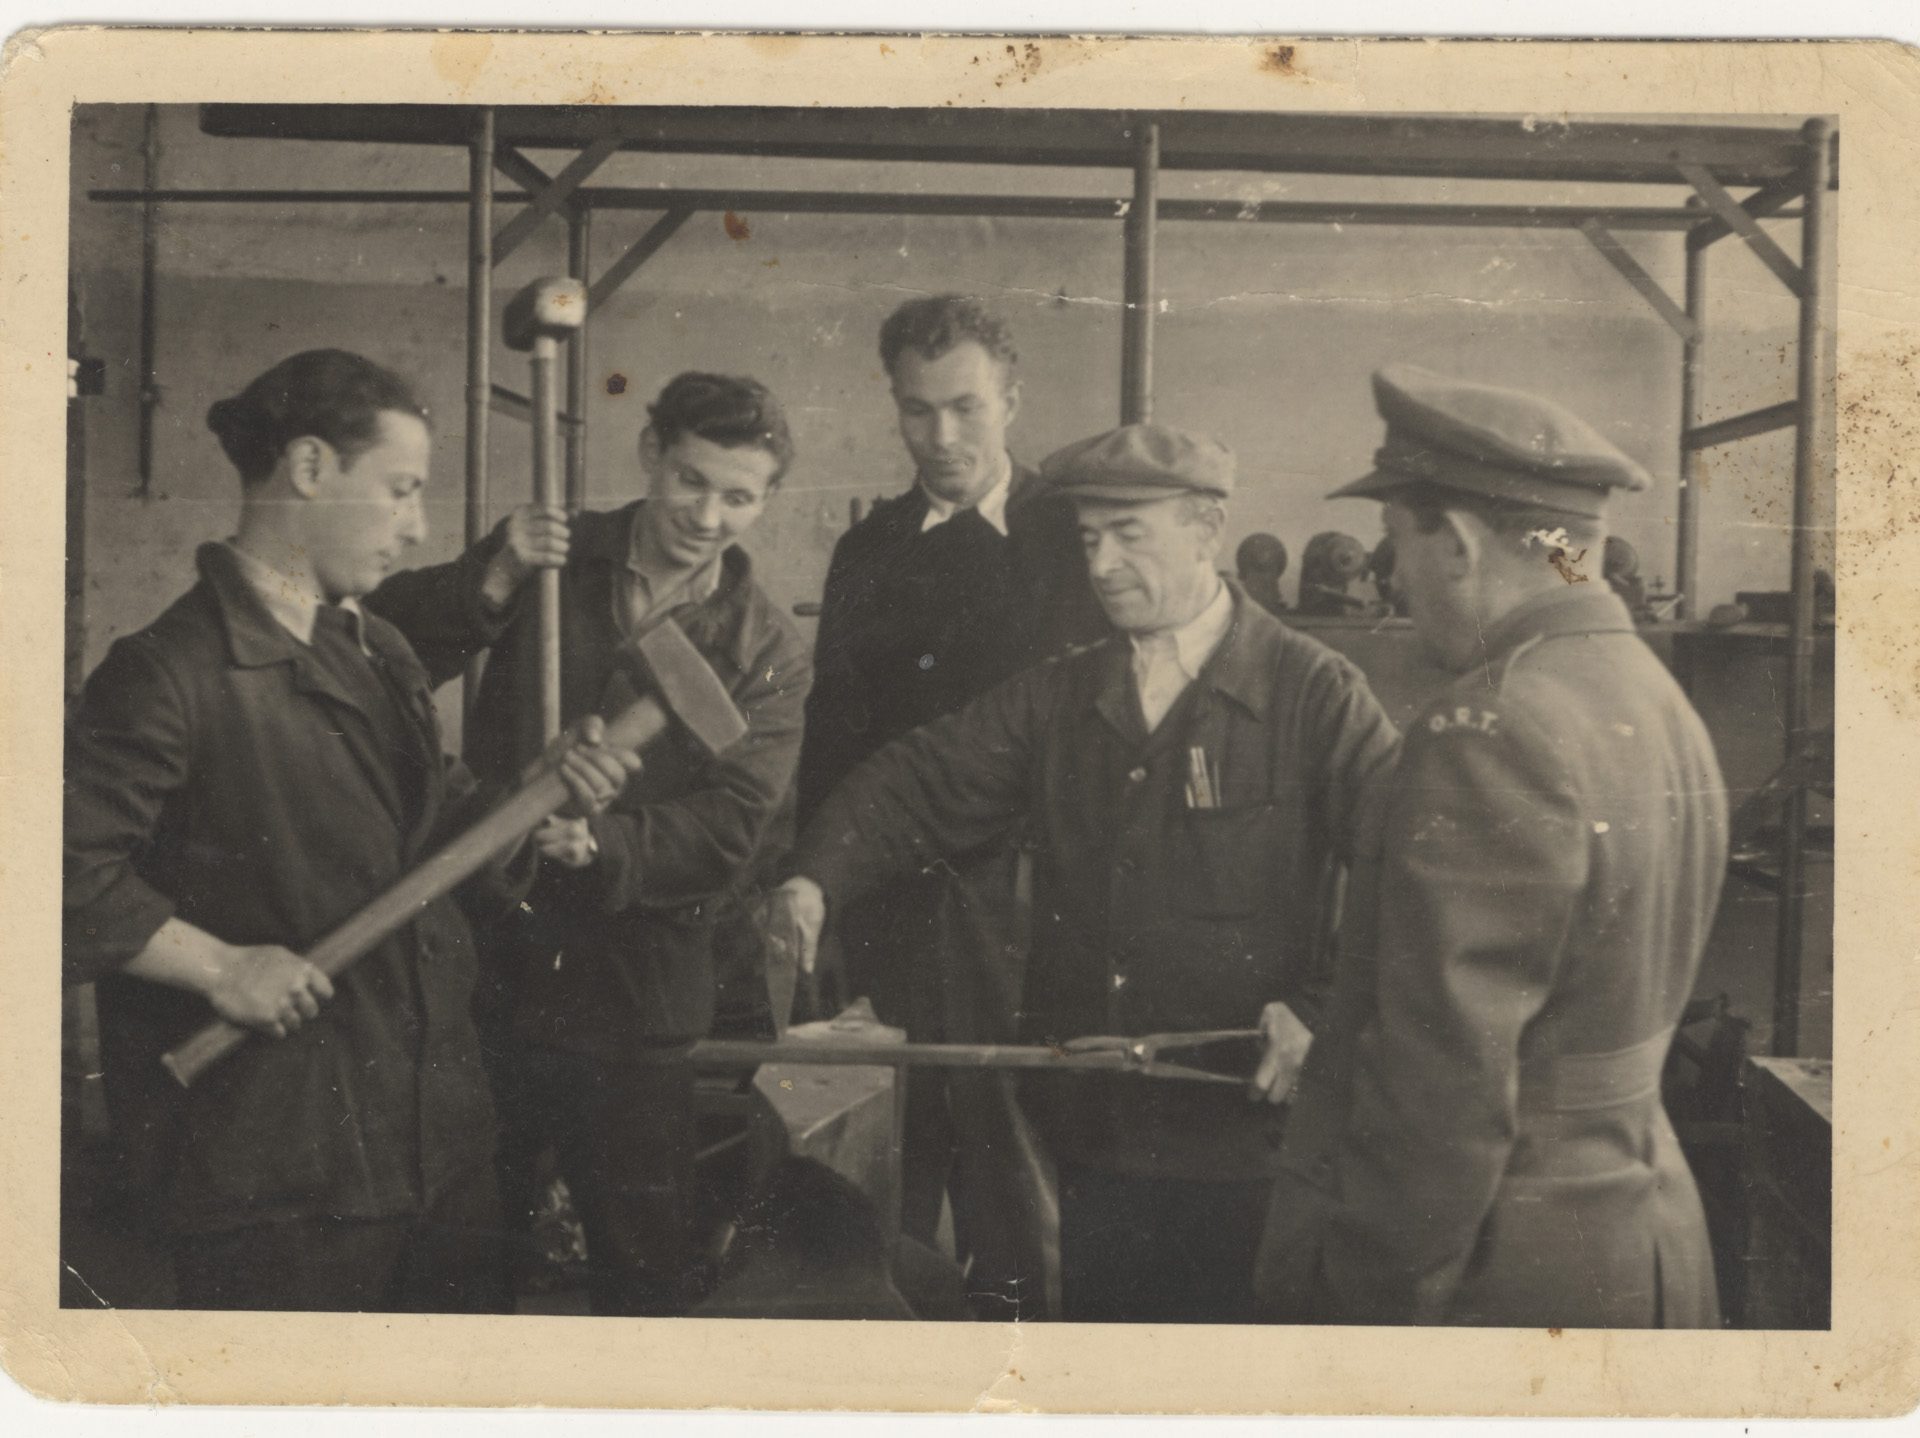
[[1202, 720]]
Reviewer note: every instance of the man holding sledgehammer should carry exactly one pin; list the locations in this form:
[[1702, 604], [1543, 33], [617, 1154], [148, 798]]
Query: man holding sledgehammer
[[612, 976], [242, 776]]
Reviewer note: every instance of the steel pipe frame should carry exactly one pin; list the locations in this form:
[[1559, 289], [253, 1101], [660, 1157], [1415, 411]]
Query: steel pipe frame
[[1810, 413], [480, 162], [1137, 283], [1813, 399], [1812, 458], [1671, 218]]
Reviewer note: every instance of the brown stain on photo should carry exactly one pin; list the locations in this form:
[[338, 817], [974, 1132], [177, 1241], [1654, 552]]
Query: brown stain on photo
[[1029, 59], [1023, 63], [1278, 60], [1563, 564], [1876, 556], [458, 59], [737, 228], [616, 383]]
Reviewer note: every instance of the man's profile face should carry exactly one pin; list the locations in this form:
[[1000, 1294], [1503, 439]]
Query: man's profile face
[[954, 411], [1151, 563], [701, 496], [367, 512], [1431, 573]]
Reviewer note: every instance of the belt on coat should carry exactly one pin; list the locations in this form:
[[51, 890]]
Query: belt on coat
[[1575, 1083]]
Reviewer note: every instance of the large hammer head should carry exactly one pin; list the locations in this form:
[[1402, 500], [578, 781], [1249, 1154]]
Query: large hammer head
[[689, 689], [555, 306]]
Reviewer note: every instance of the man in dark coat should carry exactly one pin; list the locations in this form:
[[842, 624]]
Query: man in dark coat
[[243, 775], [1188, 783], [1478, 1136], [940, 593], [613, 976]]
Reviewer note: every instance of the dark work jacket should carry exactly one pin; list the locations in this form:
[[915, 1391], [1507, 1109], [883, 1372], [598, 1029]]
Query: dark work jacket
[[217, 773], [1478, 1136], [1149, 916], [914, 625], [633, 932]]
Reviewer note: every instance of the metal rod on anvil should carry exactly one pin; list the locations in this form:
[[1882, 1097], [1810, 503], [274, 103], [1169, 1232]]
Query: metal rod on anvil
[[1138, 1058]]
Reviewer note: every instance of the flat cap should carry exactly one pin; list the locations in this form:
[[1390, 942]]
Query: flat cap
[[1496, 443], [1141, 462]]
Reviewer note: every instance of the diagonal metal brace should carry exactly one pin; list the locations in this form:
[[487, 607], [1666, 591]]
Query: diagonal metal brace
[[554, 196], [518, 167], [1741, 221], [1604, 240], [638, 253]]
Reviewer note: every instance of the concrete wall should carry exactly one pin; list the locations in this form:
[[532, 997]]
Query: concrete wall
[[1266, 337]]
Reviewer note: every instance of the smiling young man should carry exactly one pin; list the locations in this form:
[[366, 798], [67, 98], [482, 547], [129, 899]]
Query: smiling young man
[[612, 974], [1187, 782], [1479, 1136], [242, 776]]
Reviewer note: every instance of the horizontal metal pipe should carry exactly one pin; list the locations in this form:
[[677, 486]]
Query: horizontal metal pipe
[[515, 405], [721, 1053], [1645, 217], [1742, 426]]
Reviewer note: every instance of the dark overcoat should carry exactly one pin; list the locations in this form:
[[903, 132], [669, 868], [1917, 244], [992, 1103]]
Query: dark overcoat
[[1479, 1136], [216, 772], [1149, 915], [635, 928]]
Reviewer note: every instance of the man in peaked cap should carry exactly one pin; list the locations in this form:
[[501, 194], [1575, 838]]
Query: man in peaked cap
[[1188, 781], [1478, 1136]]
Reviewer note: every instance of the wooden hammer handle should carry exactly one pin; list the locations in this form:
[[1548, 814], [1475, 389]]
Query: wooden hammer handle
[[512, 820]]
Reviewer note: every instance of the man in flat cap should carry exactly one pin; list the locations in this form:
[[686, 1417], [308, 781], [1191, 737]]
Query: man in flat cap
[[1478, 1136], [1189, 782]]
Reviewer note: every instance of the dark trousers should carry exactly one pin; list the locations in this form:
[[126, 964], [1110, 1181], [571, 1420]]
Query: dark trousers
[[1155, 1250], [447, 1260], [623, 1132], [890, 944]]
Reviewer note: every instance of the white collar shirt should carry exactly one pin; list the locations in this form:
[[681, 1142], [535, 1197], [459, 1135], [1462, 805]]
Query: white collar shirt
[[292, 604], [992, 505], [1166, 661]]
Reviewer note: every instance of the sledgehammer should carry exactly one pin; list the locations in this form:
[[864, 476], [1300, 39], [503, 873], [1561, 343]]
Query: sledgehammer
[[537, 319], [674, 683]]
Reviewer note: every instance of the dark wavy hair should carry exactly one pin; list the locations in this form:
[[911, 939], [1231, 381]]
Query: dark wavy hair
[[932, 326], [332, 395], [731, 411]]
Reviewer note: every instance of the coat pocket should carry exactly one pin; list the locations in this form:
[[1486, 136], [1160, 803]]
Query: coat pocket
[[1228, 863]]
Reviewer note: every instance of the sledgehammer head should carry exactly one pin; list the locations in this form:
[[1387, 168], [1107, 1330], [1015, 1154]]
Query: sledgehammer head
[[688, 688], [553, 307]]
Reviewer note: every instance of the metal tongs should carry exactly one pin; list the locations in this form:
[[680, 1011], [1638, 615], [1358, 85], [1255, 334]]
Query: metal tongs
[[1143, 1054]]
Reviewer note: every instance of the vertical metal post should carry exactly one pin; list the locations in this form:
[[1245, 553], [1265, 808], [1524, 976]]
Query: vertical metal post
[[479, 343], [76, 617], [1136, 337], [1812, 465], [149, 296], [546, 492], [1686, 563], [579, 266]]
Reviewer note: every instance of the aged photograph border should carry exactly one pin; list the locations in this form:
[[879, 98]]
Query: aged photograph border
[[1871, 88]]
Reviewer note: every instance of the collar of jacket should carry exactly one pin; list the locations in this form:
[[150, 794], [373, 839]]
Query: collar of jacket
[[1590, 608], [605, 537], [1238, 667], [255, 638], [909, 507], [1023, 488]]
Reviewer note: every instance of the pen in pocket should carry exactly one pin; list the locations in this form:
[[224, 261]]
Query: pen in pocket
[[1201, 791]]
